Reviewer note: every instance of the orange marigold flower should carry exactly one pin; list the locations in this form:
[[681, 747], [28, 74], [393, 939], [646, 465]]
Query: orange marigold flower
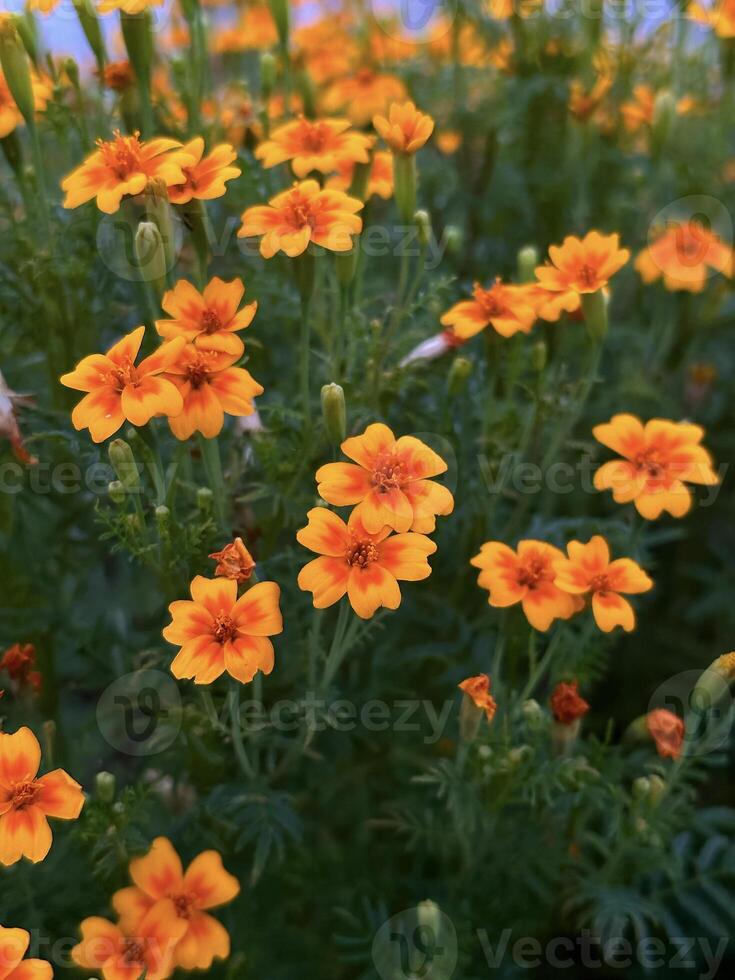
[[365, 567], [683, 254], [527, 576], [509, 309], [118, 75], [389, 481], [720, 16], [145, 951], [364, 95], [18, 662], [204, 179], [219, 633], [159, 876], [118, 389], [210, 320], [449, 141], [13, 946], [478, 690], [305, 213], [10, 114], [667, 731], [659, 458], [123, 166], [256, 30], [314, 144], [210, 387], [380, 177], [550, 305], [127, 6], [582, 265], [638, 111], [589, 571], [406, 129], [566, 704], [27, 799], [234, 561]]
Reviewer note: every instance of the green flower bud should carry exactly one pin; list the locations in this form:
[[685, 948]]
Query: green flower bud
[[533, 714], [453, 238], [539, 354], [158, 210], [268, 73], [641, 788], [72, 70], [423, 224], [104, 783], [527, 260], [124, 464], [334, 412], [345, 264], [27, 30], [116, 490], [16, 68], [594, 307], [205, 500], [459, 372], [151, 255], [163, 518]]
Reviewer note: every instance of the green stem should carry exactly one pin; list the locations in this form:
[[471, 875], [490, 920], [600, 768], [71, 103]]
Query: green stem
[[213, 466], [339, 648], [304, 359], [236, 728]]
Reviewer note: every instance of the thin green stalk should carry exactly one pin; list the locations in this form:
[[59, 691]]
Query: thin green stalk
[[213, 467], [233, 698], [339, 648], [304, 359]]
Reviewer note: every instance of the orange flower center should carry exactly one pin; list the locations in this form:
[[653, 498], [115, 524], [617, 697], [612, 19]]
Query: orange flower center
[[123, 374], [197, 372], [489, 300], [298, 213], [587, 275], [600, 583], [534, 569], [388, 473], [361, 554], [122, 155], [211, 322], [651, 463], [224, 628], [133, 952], [183, 905], [24, 794], [313, 136]]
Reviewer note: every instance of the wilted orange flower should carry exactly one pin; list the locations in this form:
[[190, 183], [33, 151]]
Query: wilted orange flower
[[210, 320], [117, 389], [159, 876], [314, 144], [638, 111], [303, 214], [406, 129], [219, 633], [363, 95], [210, 387], [10, 114], [582, 265], [380, 177], [566, 704], [683, 254], [118, 75], [13, 946], [659, 458], [27, 799], [234, 561], [526, 576], [507, 308], [18, 662], [146, 952], [389, 481], [589, 571], [478, 689], [123, 166], [667, 731], [204, 179], [365, 567]]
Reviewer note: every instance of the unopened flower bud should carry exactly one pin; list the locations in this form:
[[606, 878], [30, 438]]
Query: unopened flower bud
[[334, 412], [267, 74], [423, 224], [594, 307], [476, 702], [163, 517], [116, 491], [641, 788], [123, 463], [453, 239], [72, 71], [459, 372], [16, 67], [28, 33], [533, 714], [527, 260], [205, 500], [104, 784], [151, 255], [158, 210]]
